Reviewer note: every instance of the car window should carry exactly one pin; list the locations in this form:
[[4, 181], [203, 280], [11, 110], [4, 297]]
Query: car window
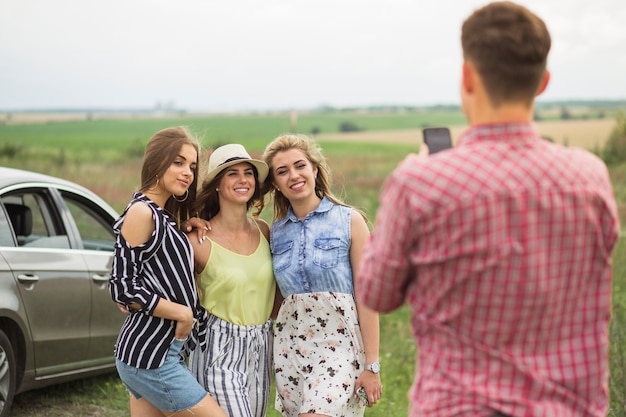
[[5, 230], [38, 227], [95, 229], [34, 222]]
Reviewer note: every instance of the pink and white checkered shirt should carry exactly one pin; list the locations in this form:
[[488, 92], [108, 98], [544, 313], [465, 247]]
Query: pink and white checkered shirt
[[502, 248]]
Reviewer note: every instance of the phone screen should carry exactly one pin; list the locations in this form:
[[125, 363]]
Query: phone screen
[[437, 139]]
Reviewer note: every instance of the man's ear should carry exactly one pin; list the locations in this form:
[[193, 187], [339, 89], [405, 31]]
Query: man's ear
[[545, 80], [467, 78]]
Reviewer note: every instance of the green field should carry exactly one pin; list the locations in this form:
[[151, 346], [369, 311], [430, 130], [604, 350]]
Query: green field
[[105, 155], [254, 130], [88, 151]]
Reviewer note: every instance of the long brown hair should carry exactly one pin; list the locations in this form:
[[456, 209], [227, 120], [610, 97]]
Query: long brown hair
[[161, 150], [313, 154]]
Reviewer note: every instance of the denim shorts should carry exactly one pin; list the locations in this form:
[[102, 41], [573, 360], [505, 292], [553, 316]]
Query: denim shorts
[[170, 387]]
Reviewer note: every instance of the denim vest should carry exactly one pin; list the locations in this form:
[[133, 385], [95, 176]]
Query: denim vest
[[313, 255]]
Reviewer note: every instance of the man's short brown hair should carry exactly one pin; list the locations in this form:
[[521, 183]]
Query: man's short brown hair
[[508, 45]]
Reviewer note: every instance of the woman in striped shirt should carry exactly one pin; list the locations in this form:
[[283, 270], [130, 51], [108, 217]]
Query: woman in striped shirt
[[152, 276]]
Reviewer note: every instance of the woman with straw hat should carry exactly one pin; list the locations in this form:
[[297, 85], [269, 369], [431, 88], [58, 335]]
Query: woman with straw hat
[[235, 278]]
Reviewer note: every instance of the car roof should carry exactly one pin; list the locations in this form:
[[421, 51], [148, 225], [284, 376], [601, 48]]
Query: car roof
[[10, 176], [13, 176]]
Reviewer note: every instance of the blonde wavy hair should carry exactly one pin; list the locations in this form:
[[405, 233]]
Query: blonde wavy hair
[[313, 154]]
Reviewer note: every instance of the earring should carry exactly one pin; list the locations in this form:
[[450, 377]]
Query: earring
[[217, 190], [183, 199], [155, 186]]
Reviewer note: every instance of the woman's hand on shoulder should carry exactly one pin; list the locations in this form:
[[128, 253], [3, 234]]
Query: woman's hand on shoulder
[[138, 224], [196, 226], [201, 249]]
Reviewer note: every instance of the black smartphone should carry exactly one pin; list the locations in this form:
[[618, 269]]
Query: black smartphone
[[437, 139]]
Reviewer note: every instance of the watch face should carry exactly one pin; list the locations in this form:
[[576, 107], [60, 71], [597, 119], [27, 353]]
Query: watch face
[[375, 367]]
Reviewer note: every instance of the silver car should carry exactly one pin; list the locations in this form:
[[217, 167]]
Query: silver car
[[57, 320]]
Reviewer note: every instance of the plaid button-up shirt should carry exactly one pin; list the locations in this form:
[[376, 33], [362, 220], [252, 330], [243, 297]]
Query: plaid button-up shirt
[[502, 249]]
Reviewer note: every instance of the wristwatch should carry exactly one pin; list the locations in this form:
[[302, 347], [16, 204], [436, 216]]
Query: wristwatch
[[373, 367]]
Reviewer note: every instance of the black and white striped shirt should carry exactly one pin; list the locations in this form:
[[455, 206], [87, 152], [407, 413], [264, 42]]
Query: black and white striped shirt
[[160, 268]]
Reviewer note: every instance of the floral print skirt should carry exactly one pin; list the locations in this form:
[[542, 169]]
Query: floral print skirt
[[318, 355]]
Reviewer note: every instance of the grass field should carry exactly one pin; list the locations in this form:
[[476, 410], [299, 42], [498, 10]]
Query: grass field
[[104, 155], [257, 130]]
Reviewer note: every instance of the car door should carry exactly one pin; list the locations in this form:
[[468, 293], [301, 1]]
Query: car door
[[52, 280], [94, 229]]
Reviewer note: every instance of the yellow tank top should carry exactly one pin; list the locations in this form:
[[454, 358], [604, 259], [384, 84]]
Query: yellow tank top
[[239, 288]]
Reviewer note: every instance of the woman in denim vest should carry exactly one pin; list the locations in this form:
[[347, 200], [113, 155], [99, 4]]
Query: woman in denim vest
[[326, 343]]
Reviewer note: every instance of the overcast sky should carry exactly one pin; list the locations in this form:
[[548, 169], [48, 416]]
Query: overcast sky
[[278, 54]]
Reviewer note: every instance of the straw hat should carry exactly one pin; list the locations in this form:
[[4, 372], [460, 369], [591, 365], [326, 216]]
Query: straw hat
[[233, 154]]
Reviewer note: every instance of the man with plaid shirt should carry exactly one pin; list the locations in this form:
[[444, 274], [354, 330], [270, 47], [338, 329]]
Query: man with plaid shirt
[[501, 246]]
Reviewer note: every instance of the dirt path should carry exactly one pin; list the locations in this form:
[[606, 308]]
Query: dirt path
[[582, 133]]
